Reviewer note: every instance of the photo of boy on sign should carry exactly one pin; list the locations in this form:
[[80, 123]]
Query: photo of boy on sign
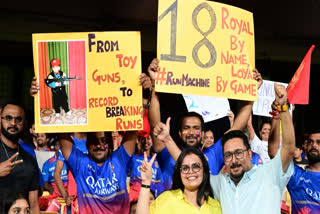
[[62, 82], [58, 88]]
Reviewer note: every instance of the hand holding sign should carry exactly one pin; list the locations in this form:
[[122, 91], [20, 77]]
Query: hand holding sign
[[257, 76], [34, 88], [153, 68], [281, 94]]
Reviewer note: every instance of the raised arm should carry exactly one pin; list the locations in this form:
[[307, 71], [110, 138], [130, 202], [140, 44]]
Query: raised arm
[[66, 144], [242, 118], [129, 141], [288, 137], [274, 139], [146, 178], [154, 108], [250, 128]]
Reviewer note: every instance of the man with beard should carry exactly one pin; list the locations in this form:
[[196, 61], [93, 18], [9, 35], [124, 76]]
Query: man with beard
[[246, 188], [191, 130], [304, 184], [101, 174], [18, 170], [250, 189], [42, 142]]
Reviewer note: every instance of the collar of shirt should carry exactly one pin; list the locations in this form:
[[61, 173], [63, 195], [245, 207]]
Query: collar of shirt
[[245, 179]]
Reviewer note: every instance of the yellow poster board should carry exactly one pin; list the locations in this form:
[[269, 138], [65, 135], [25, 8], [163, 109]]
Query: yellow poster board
[[88, 82], [205, 48]]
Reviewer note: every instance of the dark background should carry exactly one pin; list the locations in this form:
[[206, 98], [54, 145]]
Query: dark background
[[284, 31]]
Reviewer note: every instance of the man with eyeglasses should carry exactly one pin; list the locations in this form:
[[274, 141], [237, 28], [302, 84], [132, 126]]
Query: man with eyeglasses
[[18, 169], [190, 132], [101, 174], [250, 189]]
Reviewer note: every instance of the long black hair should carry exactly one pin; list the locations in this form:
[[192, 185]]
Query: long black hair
[[204, 190], [10, 199]]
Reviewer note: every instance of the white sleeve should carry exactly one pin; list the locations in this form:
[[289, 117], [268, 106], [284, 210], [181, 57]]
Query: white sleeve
[[255, 143]]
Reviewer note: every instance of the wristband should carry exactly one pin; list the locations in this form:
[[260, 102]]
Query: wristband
[[282, 108], [276, 117], [145, 186]]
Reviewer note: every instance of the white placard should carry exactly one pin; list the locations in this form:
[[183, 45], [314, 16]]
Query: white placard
[[266, 96], [43, 156], [211, 108]]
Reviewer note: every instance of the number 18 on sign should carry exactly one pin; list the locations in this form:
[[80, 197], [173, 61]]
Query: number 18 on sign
[[205, 48]]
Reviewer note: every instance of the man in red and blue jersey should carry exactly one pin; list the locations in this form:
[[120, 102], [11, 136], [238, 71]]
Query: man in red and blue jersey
[[101, 174], [304, 185]]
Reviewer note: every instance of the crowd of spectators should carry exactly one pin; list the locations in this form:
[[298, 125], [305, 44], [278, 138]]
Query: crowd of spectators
[[152, 172]]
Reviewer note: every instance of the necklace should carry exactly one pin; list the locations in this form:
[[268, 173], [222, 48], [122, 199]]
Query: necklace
[[4, 148]]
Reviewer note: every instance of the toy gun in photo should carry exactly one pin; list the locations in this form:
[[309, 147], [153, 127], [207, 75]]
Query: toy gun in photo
[[61, 80]]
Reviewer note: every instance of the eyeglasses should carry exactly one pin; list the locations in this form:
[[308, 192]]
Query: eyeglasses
[[9, 118], [195, 168], [310, 142], [239, 153]]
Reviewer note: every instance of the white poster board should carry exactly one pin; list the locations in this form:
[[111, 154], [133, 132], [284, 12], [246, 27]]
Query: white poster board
[[266, 96], [211, 108], [43, 156]]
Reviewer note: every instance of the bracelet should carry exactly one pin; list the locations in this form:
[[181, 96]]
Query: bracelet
[[276, 117], [145, 186], [149, 100], [282, 108], [274, 113]]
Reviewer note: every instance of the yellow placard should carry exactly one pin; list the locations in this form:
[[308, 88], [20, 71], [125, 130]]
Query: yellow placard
[[88, 81], [205, 48]]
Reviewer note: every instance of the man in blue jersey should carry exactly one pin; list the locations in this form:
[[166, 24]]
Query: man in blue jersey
[[304, 184], [190, 132], [101, 174]]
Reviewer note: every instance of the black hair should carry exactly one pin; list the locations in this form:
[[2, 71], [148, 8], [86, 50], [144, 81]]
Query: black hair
[[314, 131], [11, 102], [299, 146], [10, 199], [206, 129], [190, 114], [235, 134], [266, 121], [93, 140], [204, 190]]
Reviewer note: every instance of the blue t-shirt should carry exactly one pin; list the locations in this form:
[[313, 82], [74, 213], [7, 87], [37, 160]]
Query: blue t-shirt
[[214, 156], [256, 159], [166, 164], [101, 190], [304, 189], [135, 176], [48, 171], [31, 152]]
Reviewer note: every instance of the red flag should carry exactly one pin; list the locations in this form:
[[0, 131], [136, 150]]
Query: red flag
[[298, 88]]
